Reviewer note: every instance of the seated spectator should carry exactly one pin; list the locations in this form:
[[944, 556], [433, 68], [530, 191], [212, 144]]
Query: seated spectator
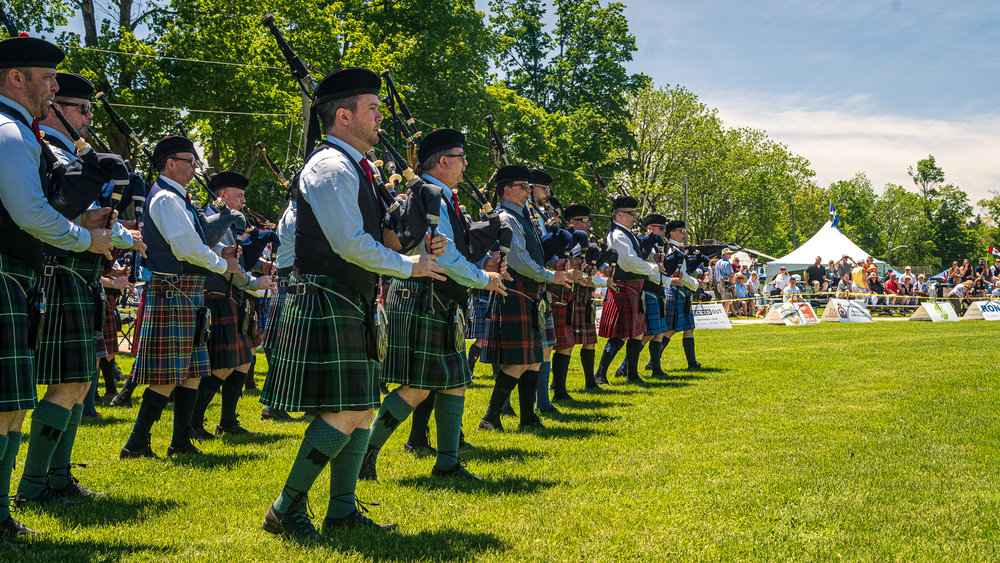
[[875, 290], [965, 272], [891, 288], [920, 288], [980, 268], [859, 279], [906, 282], [995, 271], [978, 290], [792, 293], [816, 276], [780, 282], [844, 286], [959, 294], [831, 275], [741, 292]]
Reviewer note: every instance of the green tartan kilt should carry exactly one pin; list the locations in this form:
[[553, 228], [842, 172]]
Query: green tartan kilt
[[421, 345], [17, 361], [67, 350], [319, 362]]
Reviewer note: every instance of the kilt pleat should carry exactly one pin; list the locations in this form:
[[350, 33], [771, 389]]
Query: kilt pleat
[[112, 324], [421, 347], [655, 323], [319, 361], [67, 351], [621, 316], [166, 352], [511, 338], [17, 361], [584, 331], [476, 328], [274, 305], [562, 303], [254, 338], [228, 347], [679, 316]]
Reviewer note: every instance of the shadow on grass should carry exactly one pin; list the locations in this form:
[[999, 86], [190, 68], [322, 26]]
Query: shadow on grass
[[436, 545], [105, 421], [212, 461], [590, 403], [702, 370], [260, 438], [506, 485], [556, 431], [581, 417], [48, 549], [110, 510], [496, 455]]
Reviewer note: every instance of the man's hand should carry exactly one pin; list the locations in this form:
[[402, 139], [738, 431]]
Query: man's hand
[[96, 218], [232, 264], [231, 251], [561, 279], [425, 266], [503, 271], [435, 245], [268, 268], [496, 283], [137, 243], [100, 242], [266, 282]]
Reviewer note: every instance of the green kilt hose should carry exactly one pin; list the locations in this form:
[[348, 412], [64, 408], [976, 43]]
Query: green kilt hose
[[319, 361], [655, 323], [622, 315], [166, 353], [679, 316], [584, 331], [67, 345], [227, 348], [17, 361], [562, 304], [421, 345], [476, 328], [274, 305], [112, 323], [511, 337]]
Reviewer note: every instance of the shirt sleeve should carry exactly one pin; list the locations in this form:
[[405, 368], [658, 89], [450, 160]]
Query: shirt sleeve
[[452, 262], [177, 226], [330, 186], [23, 196], [519, 260], [627, 258]]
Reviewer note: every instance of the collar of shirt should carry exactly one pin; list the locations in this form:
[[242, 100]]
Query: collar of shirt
[[357, 156], [622, 226], [51, 132], [17, 106], [174, 185], [512, 207], [447, 191]]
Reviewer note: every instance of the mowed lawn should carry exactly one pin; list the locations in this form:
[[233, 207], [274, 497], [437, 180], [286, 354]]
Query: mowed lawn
[[859, 442]]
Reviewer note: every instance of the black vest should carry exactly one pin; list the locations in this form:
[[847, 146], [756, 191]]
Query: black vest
[[313, 254], [451, 288], [620, 273], [159, 257], [16, 242]]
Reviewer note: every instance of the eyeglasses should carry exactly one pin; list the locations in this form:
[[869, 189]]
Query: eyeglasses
[[581, 219], [460, 155], [187, 160], [84, 108], [632, 213]]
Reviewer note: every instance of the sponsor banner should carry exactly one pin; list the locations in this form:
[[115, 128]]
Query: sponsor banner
[[986, 310], [845, 311], [710, 315], [938, 311], [792, 314]]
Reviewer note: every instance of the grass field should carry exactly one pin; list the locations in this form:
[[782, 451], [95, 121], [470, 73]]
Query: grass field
[[860, 442]]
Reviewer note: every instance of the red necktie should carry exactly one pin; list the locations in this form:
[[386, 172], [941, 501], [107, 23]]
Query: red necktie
[[36, 131], [458, 208], [368, 171]]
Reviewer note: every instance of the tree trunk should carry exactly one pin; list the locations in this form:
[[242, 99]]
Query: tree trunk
[[89, 23]]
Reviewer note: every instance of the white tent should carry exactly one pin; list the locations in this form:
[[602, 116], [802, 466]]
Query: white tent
[[829, 244]]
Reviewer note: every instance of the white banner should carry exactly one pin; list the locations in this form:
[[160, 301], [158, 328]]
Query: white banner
[[845, 311], [792, 314], [986, 310], [710, 315], [938, 311]]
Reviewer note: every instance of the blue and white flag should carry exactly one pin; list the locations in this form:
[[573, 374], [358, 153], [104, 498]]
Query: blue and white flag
[[833, 212]]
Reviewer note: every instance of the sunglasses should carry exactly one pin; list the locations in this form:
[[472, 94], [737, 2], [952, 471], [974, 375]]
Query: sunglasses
[[84, 108], [632, 213]]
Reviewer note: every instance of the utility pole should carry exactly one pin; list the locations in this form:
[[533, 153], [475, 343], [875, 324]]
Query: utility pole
[[795, 236], [685, 200]]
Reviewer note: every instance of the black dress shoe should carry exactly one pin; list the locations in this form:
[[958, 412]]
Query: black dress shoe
[[234, 430], [489, 424], [185, 449], [458, 471], [531, 424], [635, 381], [695, 365], [659, 374], [295, 523], [423, 448], [355, 520], [45, 498], [267, 413], [367, 472], [601, 380], [75, 489], [146, 451], [508, 411], [620, 372], [122, 399], [549, 410], [199, 433], [561, 397], [11, 528]]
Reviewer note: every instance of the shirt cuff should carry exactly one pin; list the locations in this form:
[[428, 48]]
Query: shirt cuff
[[82, 238]]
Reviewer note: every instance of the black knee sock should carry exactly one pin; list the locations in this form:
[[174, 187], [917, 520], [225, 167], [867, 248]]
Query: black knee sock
[[501, 393], [474, 353], [232, 390], [527, 388], [421, 418], [689, 352], [587, 360], [560, 369], [149, 412], [207, 389], [130, 384], [249, 381], [610, 351], [110, 377], [184, 400], [655, 352], [632, 350]]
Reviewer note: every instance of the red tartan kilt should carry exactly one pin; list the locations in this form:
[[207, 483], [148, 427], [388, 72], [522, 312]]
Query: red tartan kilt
[[111, 327], [622, 316], [137, 323], [562, 301], [256, 335], [511, 337]]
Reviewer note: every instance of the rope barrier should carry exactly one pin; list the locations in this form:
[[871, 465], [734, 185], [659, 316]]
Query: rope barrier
[[206, 111]]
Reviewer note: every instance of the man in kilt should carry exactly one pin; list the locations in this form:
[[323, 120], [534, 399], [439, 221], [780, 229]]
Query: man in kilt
[[423, 354], [320, 359], [172, 355], [230, 349], [516, 328], [623, 316], [27, 221], [679, 317], [283, 261]]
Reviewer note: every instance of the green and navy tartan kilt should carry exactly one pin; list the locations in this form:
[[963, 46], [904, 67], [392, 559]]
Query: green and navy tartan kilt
[[227, 348], [17, 361], [584, 331], [562, 303], [274, 305], [319, 362], [476, 328], [621, 316], [421, 345], [166, 353], [510, 336], [655, 323], [679, 316], [112, 324], [67, 348]]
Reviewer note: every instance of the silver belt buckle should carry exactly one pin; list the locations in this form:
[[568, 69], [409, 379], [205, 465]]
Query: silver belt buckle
[[48, 270], [169, 294]]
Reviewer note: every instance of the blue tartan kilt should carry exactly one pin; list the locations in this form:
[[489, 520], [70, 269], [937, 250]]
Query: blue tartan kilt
[[476, 328], [678, 307], [655, 324], [17, 361]]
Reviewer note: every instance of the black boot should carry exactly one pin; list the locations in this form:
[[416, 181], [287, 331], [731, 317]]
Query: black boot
[[501, 393], [632, 350], [689, 353], [655, 353], [180, 441], [474, 353], [110, 373], [587, 361], [610, 351], [207, 389], [124, 397], [560, 370], [527, 389]]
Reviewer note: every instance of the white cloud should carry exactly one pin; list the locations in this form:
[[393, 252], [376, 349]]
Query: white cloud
[[846, 137]]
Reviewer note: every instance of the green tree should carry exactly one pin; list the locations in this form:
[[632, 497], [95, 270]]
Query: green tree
[[854, 200]]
